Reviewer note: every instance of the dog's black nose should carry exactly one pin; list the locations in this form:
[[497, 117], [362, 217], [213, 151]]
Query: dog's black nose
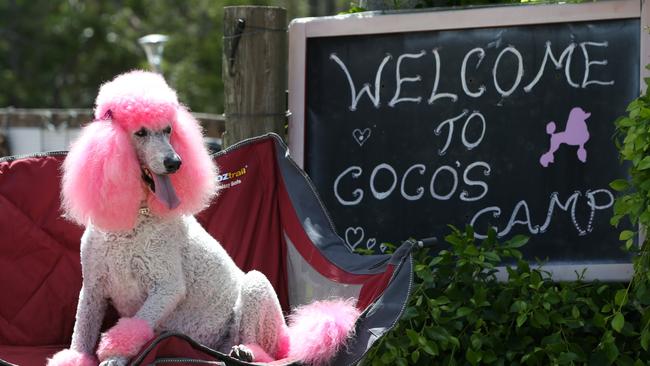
[[172, 163]]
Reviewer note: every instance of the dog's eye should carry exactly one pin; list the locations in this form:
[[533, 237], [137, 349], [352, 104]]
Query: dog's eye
[[168, 130], [141, 132]]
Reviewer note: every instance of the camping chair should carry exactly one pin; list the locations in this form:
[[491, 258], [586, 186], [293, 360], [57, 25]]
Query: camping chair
[[268, 217]]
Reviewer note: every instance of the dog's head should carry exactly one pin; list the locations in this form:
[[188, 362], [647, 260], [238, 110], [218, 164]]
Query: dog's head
[[143, 147], [578, 114]]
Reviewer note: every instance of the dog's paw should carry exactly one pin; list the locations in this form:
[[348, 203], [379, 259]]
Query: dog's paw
[[115, 361], [242, 353]]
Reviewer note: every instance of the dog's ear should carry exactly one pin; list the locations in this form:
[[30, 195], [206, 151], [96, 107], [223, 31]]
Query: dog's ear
[[195, 182], [102, 178]]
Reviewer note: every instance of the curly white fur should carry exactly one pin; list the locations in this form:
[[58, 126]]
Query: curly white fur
[[174, 275]]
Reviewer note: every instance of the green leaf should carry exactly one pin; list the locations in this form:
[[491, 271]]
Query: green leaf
[[575, 312], [476, 341], [625, 235], [518, 306], [415, 356], [599, 320], [471, 250], [454, 341], [454, 239], [611, 351], [413, 336], [473, 357], [567, 357], [620, 185], [517, 241], [422, 340], [606, 308], [388, 357], [437, 333], [442, 300], [624, 122], [430, 348], [541, 317], [492, 257], [521, 319], [463, 311], [620, 298], [644, 163], [554, 338], [618, 322], [645, 339]]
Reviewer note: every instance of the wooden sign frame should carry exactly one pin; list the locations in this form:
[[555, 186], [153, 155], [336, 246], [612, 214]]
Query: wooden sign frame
[[367, 23]]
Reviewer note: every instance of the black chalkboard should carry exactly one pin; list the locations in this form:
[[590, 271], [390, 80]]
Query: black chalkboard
[[379, 150]]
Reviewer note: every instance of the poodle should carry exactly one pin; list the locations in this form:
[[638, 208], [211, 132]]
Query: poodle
[[576, 133], [134, 178]]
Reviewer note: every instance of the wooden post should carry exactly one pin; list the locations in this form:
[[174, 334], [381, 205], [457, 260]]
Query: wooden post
[[254, 71]]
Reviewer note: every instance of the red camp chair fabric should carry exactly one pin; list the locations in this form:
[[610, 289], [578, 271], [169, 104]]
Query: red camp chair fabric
[[267, 216]]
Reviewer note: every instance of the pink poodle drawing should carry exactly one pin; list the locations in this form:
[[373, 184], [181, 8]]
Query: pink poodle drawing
[[576, 133]]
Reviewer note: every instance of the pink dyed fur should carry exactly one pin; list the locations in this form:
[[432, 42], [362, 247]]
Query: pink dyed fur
[[318, 330], [101, 180], [125, 338], [284, 341], [136, 99], [68, 357], [102, 173]]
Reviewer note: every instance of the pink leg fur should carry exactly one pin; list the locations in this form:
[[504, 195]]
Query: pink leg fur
[[68, 357], [126, 338]]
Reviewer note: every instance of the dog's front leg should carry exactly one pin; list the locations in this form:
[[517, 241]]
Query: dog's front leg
[[90, 312], [166, 288], [91, 309]]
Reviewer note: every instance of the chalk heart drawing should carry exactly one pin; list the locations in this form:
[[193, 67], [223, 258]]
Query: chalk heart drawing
[[383, 247], [361, 136], [354, 236], [371, 243], [575, 133]]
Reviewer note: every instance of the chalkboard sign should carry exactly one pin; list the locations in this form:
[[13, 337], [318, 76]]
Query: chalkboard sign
[[509, 126]]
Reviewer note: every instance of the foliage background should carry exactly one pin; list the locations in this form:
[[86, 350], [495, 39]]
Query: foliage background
[[460, 314], [55, 53]]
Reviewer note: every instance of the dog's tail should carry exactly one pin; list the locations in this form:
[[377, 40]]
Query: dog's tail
[[318, 330], [550, 128]]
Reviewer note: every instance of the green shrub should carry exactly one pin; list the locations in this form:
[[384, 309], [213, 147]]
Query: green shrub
[[459, 314], [633, 141]]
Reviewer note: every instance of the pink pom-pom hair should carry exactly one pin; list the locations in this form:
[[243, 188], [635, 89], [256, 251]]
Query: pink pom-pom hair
[[318, 330], [68, 357], [102, 180], [126, 338]]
